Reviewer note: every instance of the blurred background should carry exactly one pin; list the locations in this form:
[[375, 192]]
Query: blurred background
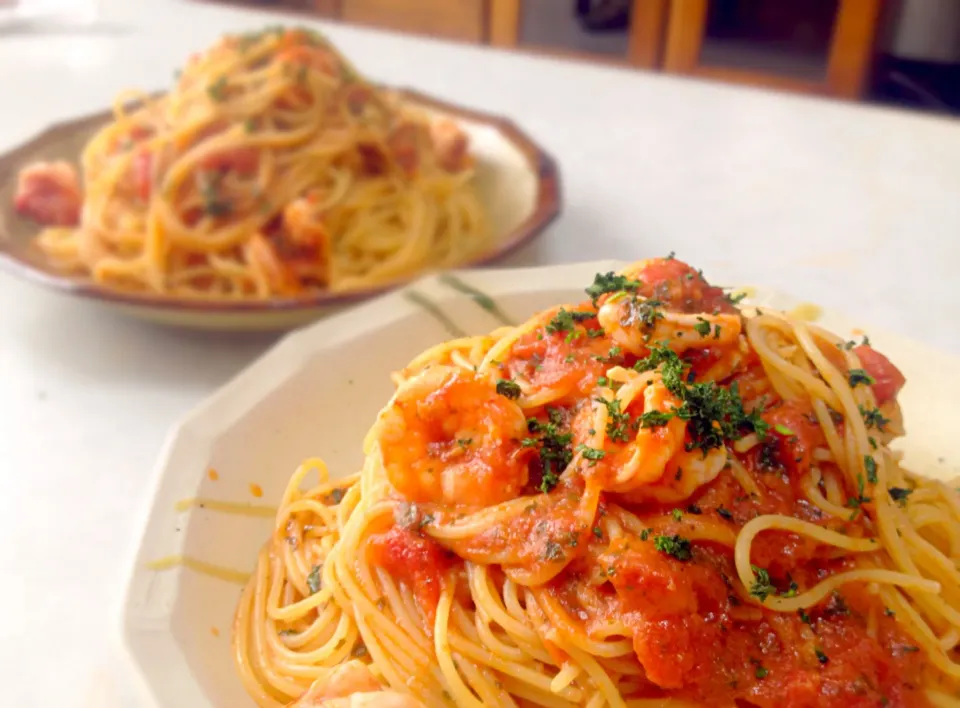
[[900, 52]]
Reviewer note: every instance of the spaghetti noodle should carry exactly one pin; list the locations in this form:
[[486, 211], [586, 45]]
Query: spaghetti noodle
[[650, 498], [271, 169]]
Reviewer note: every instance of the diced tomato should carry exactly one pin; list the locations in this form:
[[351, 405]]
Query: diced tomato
[[681, 288], [795, 433], [887, 377], [49, 193]]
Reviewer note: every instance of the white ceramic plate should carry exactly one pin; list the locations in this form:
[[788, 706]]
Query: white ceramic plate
[[316, 394]]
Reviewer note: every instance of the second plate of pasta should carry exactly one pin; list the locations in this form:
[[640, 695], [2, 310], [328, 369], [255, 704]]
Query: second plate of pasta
[[270, 182]]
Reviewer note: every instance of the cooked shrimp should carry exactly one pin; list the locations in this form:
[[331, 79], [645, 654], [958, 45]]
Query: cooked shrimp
[[644, 460], [270, 270], [450, 143], [686, 472], [449, 437], [308, 239], [645, 467], [635, 322], [352, 685], [49, 193]]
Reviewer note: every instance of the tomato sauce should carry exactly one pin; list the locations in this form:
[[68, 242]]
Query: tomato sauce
[[672, 584], [415, 560]]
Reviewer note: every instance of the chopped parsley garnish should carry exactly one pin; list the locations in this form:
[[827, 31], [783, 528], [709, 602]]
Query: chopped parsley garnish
[[821, 657], [590, 453], [899, 495], [552, 551], [598, 532], [618, 422], [804, 617], [702, 327], [735, 298], [676, 514], [888, 612], [645, 534], [861, 498], [508, 389], [675, 546], [644, 313], [725, 513], [761, 673], [335, 495], [694, 509], [762, 587], [851, 344], [555, 452], [313, 580], [872, 418], [655, 419], [857, 377], [213, 203], [217, 91], [713, 413], [792, 590], [870, 465], [604, 283], [565, 321], [671, 256]]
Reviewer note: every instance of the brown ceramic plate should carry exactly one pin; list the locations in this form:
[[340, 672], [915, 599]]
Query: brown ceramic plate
[[518, 183]]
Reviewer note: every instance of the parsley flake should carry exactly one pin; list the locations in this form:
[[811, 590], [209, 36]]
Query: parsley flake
[[508, 389], [565, 321], [675, 546], [590, 453], [762, 587], [313, 580], [899, 495], [604, 283], [856, 377]]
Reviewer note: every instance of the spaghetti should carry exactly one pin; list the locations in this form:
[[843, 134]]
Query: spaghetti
[[651, 498], [271, 169]]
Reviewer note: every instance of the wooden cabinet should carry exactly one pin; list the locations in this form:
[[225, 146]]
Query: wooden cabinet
[[811, 46], [641, 46], [829, 53], [463, 20]]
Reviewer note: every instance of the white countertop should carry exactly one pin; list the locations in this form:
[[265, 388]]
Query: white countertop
[[849, 207]]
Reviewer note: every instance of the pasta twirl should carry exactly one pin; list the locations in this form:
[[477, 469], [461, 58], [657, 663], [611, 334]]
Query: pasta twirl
[[272, 169]]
